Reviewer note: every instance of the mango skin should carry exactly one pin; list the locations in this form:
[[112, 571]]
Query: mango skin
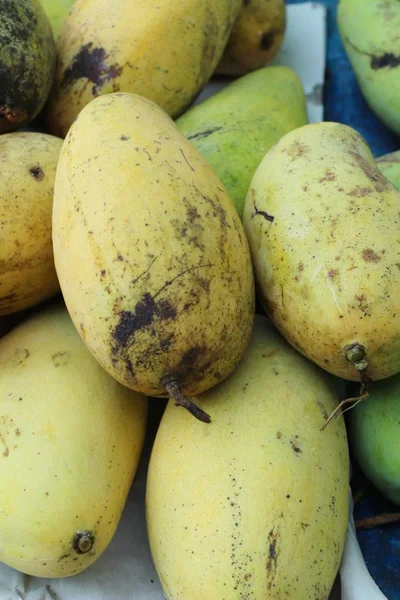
[[57, 11], [389, 165], [27, 59], [323, 227], [256, 37], [246, 506], [28, 162], [165, 280], [71, 439], [370, 36], [164, 50], [374, 430], [234, 128]]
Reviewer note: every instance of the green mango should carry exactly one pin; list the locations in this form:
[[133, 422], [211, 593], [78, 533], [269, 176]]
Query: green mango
[[374, 433], [234, 128], [389, 165], [57, 11], [369, 30], [27, 62]]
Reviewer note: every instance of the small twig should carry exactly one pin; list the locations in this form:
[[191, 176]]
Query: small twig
[[384, 519], [174, 389], [365, 381]]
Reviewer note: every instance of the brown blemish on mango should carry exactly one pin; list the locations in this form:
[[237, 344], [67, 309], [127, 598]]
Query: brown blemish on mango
[[333, 273], [360, 192], [60, 358], [296, 150], [380, 182], [328, 176], [37, 173], [89, 63], [370, 256], [272, 560]]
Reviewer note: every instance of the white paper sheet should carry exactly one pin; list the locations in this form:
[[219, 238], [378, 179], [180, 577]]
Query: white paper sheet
[[125, 571]]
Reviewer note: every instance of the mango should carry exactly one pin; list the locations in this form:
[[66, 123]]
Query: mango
[[164, 50], [164, 292], [256, 504], [374, 431], [27, 59], [370, 36], [256, 37], [57, 11], [323, 227], [234, 128], [389, 165], [71, 439], [28, 162]]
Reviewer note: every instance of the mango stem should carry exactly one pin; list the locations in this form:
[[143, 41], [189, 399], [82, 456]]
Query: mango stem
[[83, 541], [172, 386], [365, 381]]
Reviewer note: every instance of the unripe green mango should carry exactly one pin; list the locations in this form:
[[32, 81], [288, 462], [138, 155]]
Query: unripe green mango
[[374, 435], [369, 30], [234, 128], [323, 227], [57, 11], [389, 165], [27, 62], [255, 505]]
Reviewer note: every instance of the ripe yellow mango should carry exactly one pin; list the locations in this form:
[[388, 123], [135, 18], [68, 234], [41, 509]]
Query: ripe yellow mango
[[70, 442], [151, 255], [254, 505], [256, 37], [323, 226], [28, 162], [164, 50]]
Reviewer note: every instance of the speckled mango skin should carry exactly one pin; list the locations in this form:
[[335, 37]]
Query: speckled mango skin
[[234, 128], [324, 229], [165, 51], [389, 165], [256, 37], [28, 162], [256, 504], [70, 443], [370, 35], [165, 281], [27, 62]]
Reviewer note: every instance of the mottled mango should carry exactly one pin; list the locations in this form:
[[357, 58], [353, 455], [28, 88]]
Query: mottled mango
[[27, 62], [324, 229]]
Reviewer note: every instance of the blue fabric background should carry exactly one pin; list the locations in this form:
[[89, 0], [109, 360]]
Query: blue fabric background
[[344, 103]]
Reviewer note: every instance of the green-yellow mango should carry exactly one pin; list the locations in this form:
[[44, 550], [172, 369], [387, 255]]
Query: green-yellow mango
[[374, 434], [57, 11], [151, 255], [324, 229], [234, 128], [256, 504], [256, 37], [389, 165], [370, 34], [71, 439], [27, 59], [28, 162], [164, 50]]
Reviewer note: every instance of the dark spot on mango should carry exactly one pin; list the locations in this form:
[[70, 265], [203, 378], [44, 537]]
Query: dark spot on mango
[[60, 358], [333, 273], [124, 138], [37, 173], [370, 256], [360, 192], [388, 59], [267, 40], [328, 176], [90, 63]]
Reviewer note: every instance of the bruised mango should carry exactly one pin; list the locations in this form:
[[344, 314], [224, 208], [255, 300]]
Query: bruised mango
[[164, 50], [163, 295], [323, 226]]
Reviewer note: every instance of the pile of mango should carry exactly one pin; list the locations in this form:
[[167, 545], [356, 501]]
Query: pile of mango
[[227, 256]]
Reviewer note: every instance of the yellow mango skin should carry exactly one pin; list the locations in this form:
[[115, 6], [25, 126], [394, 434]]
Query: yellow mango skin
[[323, 226], [28, 162], [70, 442], [165, 281], [256, 37], [254, 505], [163, 50]]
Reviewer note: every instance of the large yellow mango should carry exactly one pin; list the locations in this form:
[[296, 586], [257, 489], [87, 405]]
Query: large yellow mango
[[323, 226], [161, 49], [70, 442], [150, 252], [28, 162], [254, 505]]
